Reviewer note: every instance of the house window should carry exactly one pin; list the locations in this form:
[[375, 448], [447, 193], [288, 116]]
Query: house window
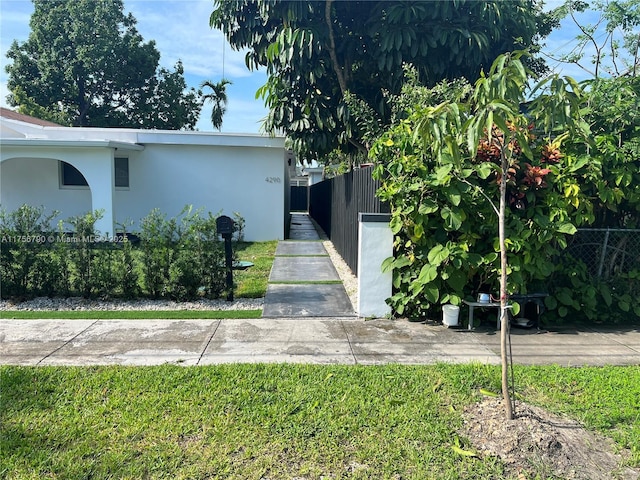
[[70, 176], [122, 172]]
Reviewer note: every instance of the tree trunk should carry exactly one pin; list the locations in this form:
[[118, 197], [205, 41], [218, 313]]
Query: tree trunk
[[340, 74], [504, 316], [332, 48], [83, 104]]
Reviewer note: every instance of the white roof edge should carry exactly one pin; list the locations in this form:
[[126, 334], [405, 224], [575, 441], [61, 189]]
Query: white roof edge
[[180, 137], [39, 142], [130, 136]]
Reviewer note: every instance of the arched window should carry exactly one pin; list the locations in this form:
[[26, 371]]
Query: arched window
[[70, 176]]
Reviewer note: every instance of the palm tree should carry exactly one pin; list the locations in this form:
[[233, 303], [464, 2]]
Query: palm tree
[[218, 97]]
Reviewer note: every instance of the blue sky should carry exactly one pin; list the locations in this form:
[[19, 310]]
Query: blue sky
[[181, 32]]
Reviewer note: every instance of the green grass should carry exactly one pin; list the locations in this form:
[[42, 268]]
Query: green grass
[[279, 421], [305, 256], [605, 399], [130, 314], [252, 283]]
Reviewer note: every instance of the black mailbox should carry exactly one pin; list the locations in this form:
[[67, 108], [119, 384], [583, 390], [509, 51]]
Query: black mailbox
[[224, 225]]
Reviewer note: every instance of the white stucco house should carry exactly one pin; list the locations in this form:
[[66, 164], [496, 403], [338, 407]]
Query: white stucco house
[[127, 173]]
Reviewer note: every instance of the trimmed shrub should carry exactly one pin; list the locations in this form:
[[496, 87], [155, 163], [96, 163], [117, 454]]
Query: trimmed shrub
[[179, 258], [23, 265]]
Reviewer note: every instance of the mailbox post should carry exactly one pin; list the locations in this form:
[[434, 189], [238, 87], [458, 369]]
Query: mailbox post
[[225, 227]]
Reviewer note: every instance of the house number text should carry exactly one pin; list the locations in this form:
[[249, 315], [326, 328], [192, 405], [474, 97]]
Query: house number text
[[273, 180]]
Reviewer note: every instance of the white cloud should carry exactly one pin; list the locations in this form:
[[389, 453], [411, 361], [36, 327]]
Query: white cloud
[[244, 113], [240, 117], [15, 21], [14, 25], [181, 31]]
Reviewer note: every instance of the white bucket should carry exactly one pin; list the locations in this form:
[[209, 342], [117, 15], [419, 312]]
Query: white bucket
[[450, 315]]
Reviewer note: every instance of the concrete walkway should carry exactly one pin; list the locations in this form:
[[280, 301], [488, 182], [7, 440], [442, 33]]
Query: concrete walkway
[[303, 281], [307, 323]]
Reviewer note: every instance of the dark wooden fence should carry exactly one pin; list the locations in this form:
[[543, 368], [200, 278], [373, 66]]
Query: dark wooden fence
[[335, 203]]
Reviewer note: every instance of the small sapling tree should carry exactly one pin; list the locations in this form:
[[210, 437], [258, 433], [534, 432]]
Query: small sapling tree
[[446, 163]]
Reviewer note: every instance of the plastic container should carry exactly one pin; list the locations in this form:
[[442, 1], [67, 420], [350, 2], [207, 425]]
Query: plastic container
[[450, 314]]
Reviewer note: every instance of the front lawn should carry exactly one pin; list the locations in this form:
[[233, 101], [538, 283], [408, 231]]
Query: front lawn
[[279, 421], [252, 283]]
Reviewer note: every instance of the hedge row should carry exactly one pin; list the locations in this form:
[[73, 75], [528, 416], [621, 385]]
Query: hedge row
[[180, 258]]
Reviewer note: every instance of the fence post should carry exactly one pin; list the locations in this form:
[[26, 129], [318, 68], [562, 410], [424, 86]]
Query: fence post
[[603, 254], [375, 244]]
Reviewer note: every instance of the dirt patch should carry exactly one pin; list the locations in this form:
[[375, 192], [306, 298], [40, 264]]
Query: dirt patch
[[540, 443]]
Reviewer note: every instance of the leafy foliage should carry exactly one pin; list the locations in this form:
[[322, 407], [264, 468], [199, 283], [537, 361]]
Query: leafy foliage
[[85, 64], [441, 169], [315, 52], [441, 172], [157, 235], [609, 169], [178, 258], [92, 270], [21, 262], [180, 255], [607, 172]]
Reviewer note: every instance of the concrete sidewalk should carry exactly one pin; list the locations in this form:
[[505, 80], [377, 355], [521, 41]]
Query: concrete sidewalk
[[346, 340], [307, 323]]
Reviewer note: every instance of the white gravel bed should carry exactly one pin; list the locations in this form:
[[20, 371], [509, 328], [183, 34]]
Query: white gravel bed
[[349, 280], [78, 303]]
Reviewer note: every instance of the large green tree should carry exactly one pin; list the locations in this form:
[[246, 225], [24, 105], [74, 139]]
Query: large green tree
[[85, 64], [317, 51]]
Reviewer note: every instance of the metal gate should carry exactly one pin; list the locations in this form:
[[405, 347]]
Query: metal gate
[[299, 199]]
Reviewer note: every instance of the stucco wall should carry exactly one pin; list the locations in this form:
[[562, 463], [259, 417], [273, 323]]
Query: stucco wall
[[219, 179], [28, 185], [35, 181]]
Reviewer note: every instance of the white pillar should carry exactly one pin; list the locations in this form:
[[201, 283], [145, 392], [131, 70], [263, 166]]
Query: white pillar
[[375, 244], [100, 175]]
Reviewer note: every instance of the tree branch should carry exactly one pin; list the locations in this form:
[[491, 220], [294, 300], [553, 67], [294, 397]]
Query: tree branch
[[635, 56], [481, 192], [332, 48]]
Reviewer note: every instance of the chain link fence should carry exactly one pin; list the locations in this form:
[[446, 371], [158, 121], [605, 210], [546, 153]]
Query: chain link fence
[[607, 252]]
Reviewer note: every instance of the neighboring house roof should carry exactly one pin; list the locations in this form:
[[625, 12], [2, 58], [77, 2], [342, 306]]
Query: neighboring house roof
[[12, 115]]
